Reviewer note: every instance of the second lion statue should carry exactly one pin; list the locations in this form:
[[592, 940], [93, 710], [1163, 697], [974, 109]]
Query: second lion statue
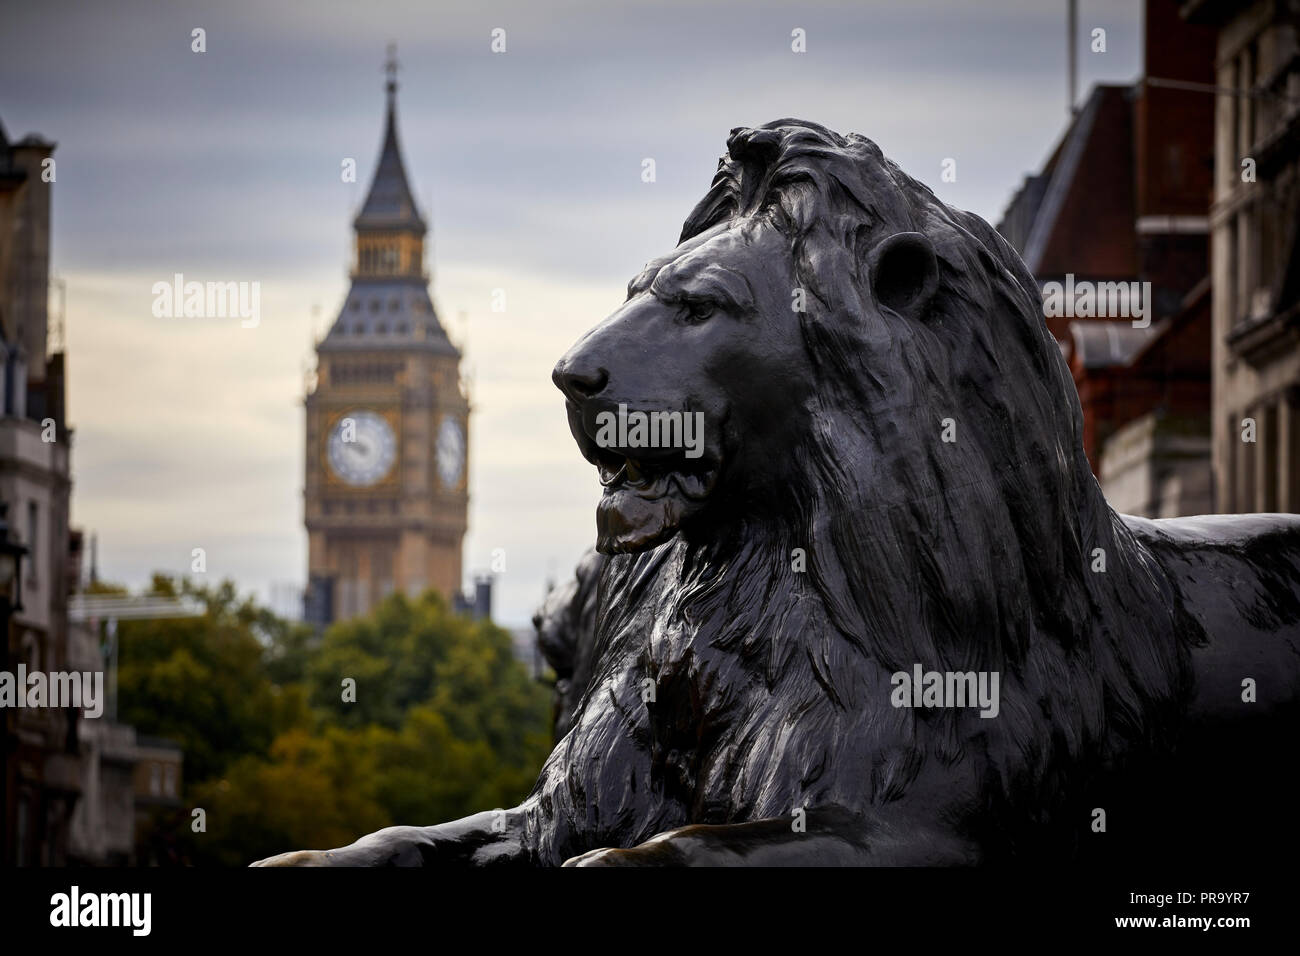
[[891, 482]]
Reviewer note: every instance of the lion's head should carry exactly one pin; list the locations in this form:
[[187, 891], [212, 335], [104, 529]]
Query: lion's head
[[882, 401], [824, 316]]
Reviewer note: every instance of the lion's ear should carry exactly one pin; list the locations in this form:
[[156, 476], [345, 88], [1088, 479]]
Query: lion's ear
[[904, 273]]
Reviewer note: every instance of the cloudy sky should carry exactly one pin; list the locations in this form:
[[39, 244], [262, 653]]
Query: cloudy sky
[[225, 166]]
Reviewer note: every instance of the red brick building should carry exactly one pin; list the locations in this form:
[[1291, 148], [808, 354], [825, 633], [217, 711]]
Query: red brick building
[[1124, 197]]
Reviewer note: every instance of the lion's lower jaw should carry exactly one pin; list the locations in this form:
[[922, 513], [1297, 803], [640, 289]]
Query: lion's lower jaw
[[627, 523]]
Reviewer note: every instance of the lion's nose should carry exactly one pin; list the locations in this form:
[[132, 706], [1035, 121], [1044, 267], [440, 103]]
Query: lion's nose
[[577, 381]]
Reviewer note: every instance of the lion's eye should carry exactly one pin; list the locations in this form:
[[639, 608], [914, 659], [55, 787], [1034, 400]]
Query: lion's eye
[[699, 311]]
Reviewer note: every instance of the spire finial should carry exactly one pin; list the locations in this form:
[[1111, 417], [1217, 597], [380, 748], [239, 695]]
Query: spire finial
[[390, 67]]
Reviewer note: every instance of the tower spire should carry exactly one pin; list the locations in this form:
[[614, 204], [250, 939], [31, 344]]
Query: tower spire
[[390, 68], [390, 205]]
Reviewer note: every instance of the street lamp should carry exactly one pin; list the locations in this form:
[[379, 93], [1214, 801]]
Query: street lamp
[[11, 600]]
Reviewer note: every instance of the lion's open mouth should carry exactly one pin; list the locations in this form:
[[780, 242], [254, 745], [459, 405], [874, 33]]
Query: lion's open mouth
[[652, 478], [649, 492]]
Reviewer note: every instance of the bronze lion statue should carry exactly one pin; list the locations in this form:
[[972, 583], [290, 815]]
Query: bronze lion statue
[[566, 635], [889, 490]]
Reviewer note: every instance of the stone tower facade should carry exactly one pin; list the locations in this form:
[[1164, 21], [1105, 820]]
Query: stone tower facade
[[385, 499]]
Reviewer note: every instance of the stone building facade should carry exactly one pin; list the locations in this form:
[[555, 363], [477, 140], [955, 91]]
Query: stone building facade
[[1256, 253], [42, 779]]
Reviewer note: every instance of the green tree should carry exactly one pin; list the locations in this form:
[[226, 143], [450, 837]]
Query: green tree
[[412, 652], [205, 681], [446, 722]]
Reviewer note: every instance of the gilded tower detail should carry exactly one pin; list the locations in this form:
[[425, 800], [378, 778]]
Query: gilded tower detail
[[385, 499]]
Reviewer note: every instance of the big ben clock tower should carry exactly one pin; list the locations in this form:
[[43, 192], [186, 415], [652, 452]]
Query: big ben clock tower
[[385, 498]]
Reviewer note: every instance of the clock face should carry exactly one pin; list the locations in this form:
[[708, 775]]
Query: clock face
[[362, 448], [451, 453]]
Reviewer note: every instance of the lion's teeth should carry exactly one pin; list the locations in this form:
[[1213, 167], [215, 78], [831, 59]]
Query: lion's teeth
[[608, 473], [691, 485], [695, 485]]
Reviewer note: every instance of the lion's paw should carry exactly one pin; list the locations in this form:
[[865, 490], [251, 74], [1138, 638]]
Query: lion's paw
[[296, 858], [607, 856]]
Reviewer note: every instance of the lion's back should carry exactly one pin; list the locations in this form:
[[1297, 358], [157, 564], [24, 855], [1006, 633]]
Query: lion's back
[[1228, 792], [1239, 575], [1239, 579]]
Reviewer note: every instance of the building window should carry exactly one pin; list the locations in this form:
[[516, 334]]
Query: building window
[[1245, 104], [30, 651], [1230, 289], [1269, 241], [22, 827], [155, 779], [1268, 457], [1246, 465], [33, 541], [15, 383], [1174, 165], [1243, 285], [1226, 479], [1290, 465]]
